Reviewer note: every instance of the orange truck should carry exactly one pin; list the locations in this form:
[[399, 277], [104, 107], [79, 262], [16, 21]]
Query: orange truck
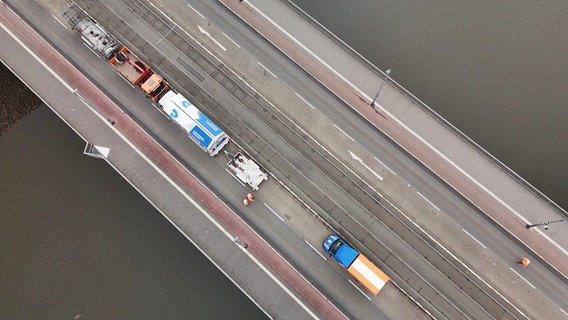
[[356, 263], [138, 73], [121, 58], [130, 66], [155, 87]]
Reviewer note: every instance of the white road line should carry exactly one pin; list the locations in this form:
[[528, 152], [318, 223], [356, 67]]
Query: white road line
[[357, 158], [384, 165], [316, 250], [530, 284], [474, 238], [356, 287], [205, 32], [566, 313], [430, 202], [61, 23], [276, 214], [338, 128], [306, 101], [163, 36], [265, 68], [198, 13], [233, 41], [37, 58]]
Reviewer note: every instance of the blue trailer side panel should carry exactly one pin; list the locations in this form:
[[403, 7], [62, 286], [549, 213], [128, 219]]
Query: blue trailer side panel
[[203, 138], [206, 133]]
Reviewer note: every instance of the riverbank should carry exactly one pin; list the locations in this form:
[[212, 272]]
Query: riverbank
[[16, 100]]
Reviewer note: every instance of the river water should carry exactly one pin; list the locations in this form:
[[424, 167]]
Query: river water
[[78, 242]]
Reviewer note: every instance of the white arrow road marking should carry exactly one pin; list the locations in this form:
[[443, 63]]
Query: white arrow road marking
[[355, 157], [210, 37]]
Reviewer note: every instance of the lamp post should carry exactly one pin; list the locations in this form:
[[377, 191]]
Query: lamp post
[[546, 223], [387, 73]]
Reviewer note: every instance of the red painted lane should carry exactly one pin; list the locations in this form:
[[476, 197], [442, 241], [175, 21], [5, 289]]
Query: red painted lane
[[481, 199], [174, 168]]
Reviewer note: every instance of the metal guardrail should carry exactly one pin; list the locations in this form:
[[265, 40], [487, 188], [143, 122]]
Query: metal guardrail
[[429, 110]]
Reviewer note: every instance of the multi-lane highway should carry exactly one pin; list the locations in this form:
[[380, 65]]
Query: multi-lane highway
[[331, 169]]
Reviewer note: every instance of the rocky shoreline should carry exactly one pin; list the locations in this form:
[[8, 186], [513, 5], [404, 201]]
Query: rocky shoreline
[[16, 100]]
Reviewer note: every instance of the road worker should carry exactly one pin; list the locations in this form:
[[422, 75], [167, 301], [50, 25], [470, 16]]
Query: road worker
[[525, 261], [245, 202], [250, 196]]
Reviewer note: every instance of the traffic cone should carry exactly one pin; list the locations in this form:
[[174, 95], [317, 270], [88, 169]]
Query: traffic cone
[[525, 261], [245, 202], [250, 196]]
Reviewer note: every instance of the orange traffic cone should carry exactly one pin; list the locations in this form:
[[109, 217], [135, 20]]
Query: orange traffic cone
[[525, 261], [245, 202], [250, 196]]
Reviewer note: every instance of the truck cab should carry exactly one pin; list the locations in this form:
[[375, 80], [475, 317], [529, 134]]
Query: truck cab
[[155, 87], [336, 247]]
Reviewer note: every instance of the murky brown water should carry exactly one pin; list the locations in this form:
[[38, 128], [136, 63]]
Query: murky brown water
[[16, 100]]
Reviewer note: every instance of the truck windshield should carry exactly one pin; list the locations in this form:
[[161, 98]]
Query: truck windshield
[[335, 246], [158, 89]]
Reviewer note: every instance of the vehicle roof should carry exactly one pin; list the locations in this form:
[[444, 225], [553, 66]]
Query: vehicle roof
[[345, 255], [329, 241], [151, 83]]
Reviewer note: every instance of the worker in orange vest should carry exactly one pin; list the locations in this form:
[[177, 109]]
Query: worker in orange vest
[[245, 202], [525, 261], [250, 196]]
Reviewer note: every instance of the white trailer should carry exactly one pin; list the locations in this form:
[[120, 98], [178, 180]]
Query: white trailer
[[246, 170]]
